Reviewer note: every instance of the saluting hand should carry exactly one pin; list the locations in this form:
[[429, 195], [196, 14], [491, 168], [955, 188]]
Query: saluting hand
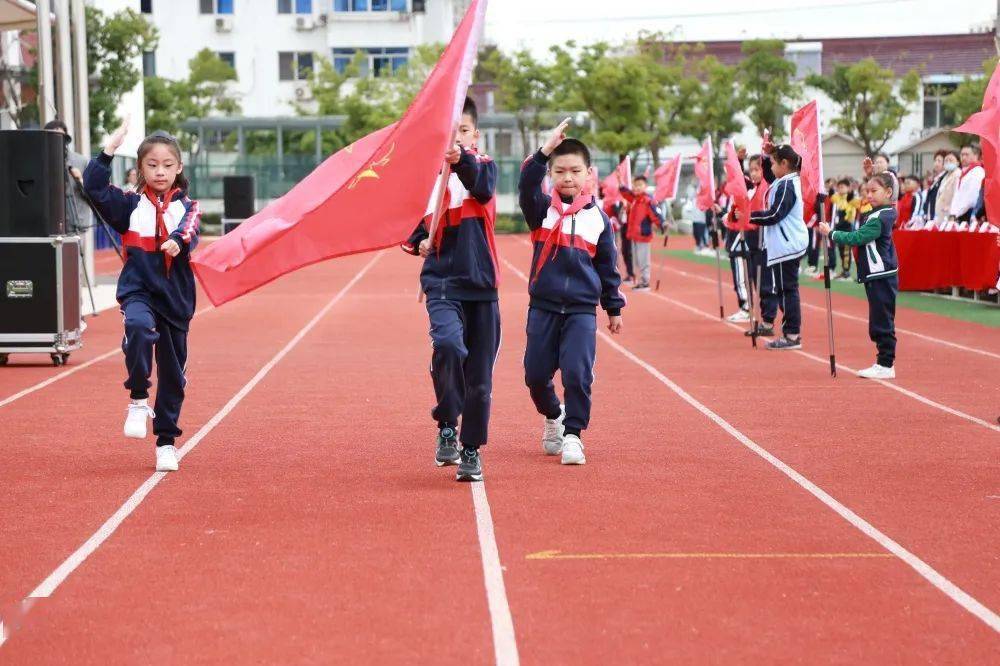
[[557, 136], [117, 138]]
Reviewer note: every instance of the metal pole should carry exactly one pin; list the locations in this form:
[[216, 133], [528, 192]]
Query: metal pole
[[82, 134], [64, 54], [827, 287], [46, 83], [718, 268]]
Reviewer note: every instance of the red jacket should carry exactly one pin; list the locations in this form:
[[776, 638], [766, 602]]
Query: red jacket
[[642, 215]]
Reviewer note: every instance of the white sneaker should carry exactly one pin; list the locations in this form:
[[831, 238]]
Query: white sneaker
[[739, 316], [572, 452], [552, 434], [166, 459], [877, 372], [135, 422]]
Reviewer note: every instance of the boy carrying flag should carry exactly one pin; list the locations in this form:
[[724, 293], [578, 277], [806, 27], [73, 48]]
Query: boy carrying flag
[[459, 279], [573, 269]]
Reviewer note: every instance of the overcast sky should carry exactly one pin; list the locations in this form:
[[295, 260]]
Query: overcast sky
[[536, 24]]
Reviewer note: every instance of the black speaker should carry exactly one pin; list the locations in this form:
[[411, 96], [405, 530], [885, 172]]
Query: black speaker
[[32, 183], [238, 195]]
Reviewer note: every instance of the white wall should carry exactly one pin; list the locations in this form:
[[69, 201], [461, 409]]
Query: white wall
[[132, 104], [259, 33]]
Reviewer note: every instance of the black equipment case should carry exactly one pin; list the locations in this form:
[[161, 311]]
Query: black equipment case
[[40, 296]]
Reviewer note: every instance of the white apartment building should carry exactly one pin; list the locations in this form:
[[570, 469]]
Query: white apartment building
[[272, 43]]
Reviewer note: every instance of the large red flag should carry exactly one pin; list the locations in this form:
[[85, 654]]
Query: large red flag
[[667, 177], [704, 171], [807, 143], [620, 177], [365, 197], [736, 187], [986, 124]]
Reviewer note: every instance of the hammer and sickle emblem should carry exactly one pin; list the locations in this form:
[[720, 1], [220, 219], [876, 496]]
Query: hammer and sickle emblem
[[370, 172]]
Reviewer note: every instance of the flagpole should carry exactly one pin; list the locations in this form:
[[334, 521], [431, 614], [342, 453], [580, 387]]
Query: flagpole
[[715, 226], [821, 197], [752, 302], [442, 188], [663, 259]]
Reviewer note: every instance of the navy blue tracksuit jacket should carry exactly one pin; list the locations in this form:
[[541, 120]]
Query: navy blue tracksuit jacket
[[565, 290]]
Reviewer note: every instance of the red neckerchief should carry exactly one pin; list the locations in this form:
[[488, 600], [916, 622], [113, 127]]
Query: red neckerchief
[[967, 169], [555, 233], [161, 225]]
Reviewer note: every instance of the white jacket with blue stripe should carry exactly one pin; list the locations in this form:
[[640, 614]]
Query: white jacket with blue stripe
[[784, 231]]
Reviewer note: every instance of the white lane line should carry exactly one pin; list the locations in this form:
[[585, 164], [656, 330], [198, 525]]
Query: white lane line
[[504, 640], [825, 361], [53, 580], [862, 320], [840, 366], [959, 596], [66, 373]]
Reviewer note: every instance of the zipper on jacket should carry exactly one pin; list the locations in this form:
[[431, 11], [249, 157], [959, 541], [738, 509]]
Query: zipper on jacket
[[572, 233]]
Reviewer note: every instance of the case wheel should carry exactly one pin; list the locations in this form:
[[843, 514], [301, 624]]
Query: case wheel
[[3, 359], [59, 359]]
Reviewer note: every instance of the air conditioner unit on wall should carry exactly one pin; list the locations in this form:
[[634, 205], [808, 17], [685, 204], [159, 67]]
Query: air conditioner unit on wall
[[322, 19], [303, 92], [304, 23], [223, 24]]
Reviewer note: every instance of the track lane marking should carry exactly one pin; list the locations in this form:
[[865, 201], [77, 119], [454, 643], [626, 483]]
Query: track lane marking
[[928, 573]]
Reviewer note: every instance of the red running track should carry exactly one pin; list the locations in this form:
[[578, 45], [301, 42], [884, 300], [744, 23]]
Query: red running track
[[310, 525]]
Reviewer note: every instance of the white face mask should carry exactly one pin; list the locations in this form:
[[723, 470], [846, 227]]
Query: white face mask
[[950, 166]]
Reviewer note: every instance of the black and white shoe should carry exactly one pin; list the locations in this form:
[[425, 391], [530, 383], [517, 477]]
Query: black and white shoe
[[470, 468], [447, 447], [785, 343], [763, 330]]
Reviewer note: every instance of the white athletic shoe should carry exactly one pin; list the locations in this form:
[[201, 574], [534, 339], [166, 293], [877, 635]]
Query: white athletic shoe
[[552, 434], [739, 316], [877, 372], [135, 422], [166, 459], [572, 452]]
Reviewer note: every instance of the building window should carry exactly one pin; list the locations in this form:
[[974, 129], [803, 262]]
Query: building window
[[216, 6], [806, 56], [295, 6], [149, 63], [376, 61], [146, 6], [227, 57], [294, 66], [370, 5], [935, 113]]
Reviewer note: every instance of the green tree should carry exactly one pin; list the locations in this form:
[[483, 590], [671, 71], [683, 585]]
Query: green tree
[[967, 98], [766, 82], [715, 110], [523, 88], [675, 91], [872, 100], [114, 43], [622, 96], [204, 91]]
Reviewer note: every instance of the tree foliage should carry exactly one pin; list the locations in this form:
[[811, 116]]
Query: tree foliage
[[115, 42], [967, 98], [766, 83], [872, 103]]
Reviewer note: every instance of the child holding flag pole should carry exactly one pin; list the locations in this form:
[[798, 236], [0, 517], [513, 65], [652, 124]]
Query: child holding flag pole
[[459, 279]]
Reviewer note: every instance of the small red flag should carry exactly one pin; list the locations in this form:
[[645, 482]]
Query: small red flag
[[365, 197], [704, 171], [620, 177], [807, 143], [736, 187], [667, 179]]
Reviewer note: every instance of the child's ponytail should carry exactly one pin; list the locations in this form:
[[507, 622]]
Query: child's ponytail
[[786, 153]]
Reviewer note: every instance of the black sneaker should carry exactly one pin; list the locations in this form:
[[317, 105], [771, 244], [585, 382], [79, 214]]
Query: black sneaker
[[447, 448], [784, 343], [763, 330], [470, 469]]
